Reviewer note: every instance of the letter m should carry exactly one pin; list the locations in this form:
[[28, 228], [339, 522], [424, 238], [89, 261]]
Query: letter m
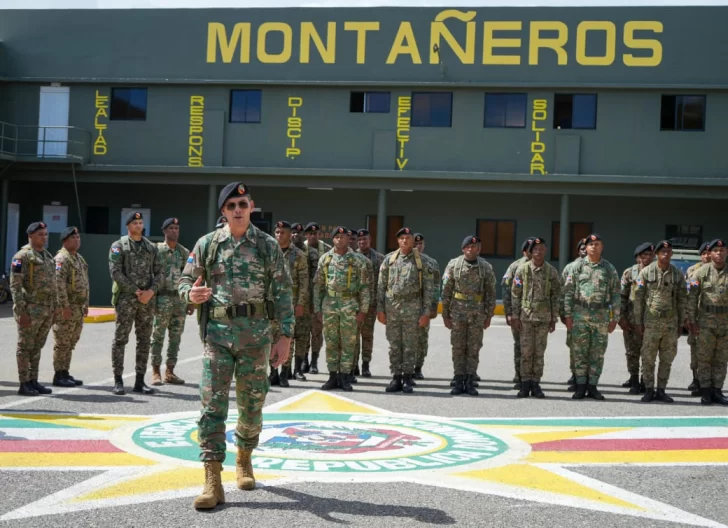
[[217, 36]]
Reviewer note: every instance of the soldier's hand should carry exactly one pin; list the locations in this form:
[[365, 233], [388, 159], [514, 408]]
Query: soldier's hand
[[382, 317], [191, 309], [433, 314], [552, 327], [624, 324], [85, 311], [509, 320], [563, 319], [569, 322], [448, 322], [200, 294], [612, 326], [320, 317], [298, 311], [360, 317], [486, 323], [516, 324], [424, 320], [146, 296], [24, 321], [279, 351], [66, 313]]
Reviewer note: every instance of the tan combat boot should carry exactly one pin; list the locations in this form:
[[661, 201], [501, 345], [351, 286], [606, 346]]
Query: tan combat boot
[[244, 469], [213, 492], [172, 378], [156, 376]]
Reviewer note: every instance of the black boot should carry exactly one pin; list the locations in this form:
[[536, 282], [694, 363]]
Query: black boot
[[458, 385], [470, 384], [273, 377], [627, 383], [60, 380], [304, 364], [74, 380], [696, 390], [649, 396], [140, 386], [283, 378], [314, 363], [418, 374], [333, 381], [695, 385], [352, 377], [718, 397], [518, 384], [356, 372], [407, 386], [661, 396], [395, 385], [634, 387], [536, 390], [365, 369], [454, 381], [580, 393], [642, 386], [706, 395], [525, 390], [344, 381], [572, 380], [593, 392], [27, 389], [299, 370], [118, 386], [476, 378], [40, 388]]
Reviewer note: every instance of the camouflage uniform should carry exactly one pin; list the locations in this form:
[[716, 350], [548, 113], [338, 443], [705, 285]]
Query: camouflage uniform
[[659, 304], [135, 268], [33, 286], [693, 340], [73, 292], [564, 274], [304, 325], [341, 290], [237, 342], [632, 340], [535, 294], [508, 311], [298, 269], [404, 294], [171, 311], [424, 333], [366, 330], [468, 299], [592, 299], [317, 328]]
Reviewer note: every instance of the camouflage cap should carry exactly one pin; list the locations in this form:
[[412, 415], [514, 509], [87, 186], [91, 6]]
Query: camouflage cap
[[71, 230]]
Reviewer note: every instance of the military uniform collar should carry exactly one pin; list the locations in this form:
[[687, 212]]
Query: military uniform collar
[[250, 234], [537, 268]]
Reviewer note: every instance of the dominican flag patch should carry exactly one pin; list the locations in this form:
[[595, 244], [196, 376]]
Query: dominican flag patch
[[58, 266], [640, 283], [191, 258], [115, 250], [17, 265], [694, 283], [517, 282]]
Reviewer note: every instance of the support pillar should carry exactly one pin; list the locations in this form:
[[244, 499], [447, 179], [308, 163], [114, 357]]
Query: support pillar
[[564, 231], [382, 222], [212, 212], [4, 199]]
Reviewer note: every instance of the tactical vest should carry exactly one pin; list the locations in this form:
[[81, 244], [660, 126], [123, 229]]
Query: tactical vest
[[73, 269], [526, 299], [418, 263], [652, 277], [459, 270], [125, 250], [327, 261]]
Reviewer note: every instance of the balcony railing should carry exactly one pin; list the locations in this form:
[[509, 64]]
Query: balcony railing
[[44, 143]]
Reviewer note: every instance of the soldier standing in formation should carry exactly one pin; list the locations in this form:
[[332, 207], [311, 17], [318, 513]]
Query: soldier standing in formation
[[507, 309], [692, 338], [312, 232], [341, 301], [171, 311], [644, 254], [659, 313], [433, 272], [581, 250], [246, 285], [137, 274], [591, 311], [468, 302], [535, 292], [404, 295], [708, 318], [304, 324], [365, 337], [33, 286], [354, 246], [298, 269], [73, 297]]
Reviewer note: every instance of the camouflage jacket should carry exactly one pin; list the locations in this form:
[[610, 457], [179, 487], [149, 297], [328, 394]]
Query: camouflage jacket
[[660, 295], [173, 262], [401, 281], [376, 259], [506, 284], [592, 292], [32, 279], [564, 274], [535, 293], [312, 257], [708, 297], [71, 279], [341, 275], [298, 268], [434, 268], [468, 286], [137, 268], [627, 292], [321, 247]]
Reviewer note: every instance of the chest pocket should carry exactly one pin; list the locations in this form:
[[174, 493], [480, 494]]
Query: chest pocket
[[219, 273]]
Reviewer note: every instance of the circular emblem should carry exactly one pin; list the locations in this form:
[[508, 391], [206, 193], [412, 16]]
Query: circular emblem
[[333, 443]]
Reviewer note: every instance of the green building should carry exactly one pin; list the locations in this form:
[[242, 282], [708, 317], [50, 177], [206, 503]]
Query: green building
[[502, 122]]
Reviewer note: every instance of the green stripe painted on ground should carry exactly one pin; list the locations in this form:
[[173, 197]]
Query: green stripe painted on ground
[[14, 423], [603, 422]]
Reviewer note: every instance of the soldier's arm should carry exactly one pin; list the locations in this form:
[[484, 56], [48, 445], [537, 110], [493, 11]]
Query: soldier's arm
[[555, 295], [382, 286], [693, 296], [517, 292], [62, 270], [506, 292], [639, 296], [447, 289], [194, 268], [490, 295], [682, 300], [281, 289], [569, 288], [615, 299], [157, 271], [562, 279], [371, 280], [302, 279], [318, 287], [365, 286], [626, 287], [427, 287], [435, 286], [18, 270], [116, 267]]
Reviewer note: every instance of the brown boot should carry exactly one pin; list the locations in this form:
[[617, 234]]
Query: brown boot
[[244, 469], [172, 378], [213, 493], [156, 375]]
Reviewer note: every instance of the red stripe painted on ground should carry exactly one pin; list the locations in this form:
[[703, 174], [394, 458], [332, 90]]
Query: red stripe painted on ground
[[57, 446], [633, 444]]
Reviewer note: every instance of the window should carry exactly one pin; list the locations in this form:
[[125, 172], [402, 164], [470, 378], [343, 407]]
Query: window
[[575, 111], [97, 220], [128, 104], [394, 224], [432, 109], [245, 106], [684, 236], [498, 238], [369, 102], [577, 231], [682, 112], [505, 110]]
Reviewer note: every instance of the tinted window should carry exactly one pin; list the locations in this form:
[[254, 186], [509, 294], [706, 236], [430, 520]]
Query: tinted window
[[128, 104], [505, 110], [432, 109], [245, 106]]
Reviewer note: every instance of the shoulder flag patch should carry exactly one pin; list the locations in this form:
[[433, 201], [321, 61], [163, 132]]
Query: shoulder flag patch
[[517, 281], [115, 250], [191, 258]]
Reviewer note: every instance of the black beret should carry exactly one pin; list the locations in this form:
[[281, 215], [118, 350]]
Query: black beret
[[168, 222], [469, 240], [362, 232], [647, 246], [526, 244], [351, 232], [593, 238], [311, 226], [716, 243], [534, 242], [35, 226], [581, 244], [220, 222], [339, 230], [134, 215], [662, 244], [296, 226], [283, 224], [404, 231], [231, 190], [419, 237], [71, 230], [703, 247]]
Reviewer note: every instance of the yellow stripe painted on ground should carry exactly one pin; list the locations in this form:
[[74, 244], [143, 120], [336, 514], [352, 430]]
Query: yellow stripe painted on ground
[[320, 402], [35, 460], [103, 318], [697, 456], [551, 436], [100, 423], [524, 476]]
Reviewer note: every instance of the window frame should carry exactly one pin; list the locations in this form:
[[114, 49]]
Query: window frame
[[113, 117], [495, 243], [678, 233], [572, 95], [505, 115], [365, 106], [573, 253], [391, 235], [679, 97], [412, 110], [230, 106]]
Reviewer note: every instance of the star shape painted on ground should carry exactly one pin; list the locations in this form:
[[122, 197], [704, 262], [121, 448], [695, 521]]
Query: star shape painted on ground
[[324, 437]]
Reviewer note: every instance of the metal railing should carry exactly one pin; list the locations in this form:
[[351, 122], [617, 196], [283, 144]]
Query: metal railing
[[44, 143]]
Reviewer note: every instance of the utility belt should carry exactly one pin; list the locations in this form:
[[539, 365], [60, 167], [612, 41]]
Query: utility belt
[[591, 305], [405, 298], [252, 310], [475, 297], [711, 308], [341, 295], [662, 313]]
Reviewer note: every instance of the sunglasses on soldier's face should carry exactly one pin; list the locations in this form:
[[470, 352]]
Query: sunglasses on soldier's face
[[243, 204]]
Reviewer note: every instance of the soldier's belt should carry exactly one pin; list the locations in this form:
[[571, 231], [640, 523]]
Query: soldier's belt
[[468, 297], [405, 298], [661, 313], [341, 295], [714, 309], [591, 306], [167, 294], [240, 310]]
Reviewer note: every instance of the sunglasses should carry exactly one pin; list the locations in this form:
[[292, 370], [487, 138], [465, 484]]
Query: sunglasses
[[243, 204]]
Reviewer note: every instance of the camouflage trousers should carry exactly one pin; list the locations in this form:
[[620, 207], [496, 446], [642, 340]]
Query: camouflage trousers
[[571, 350], [516, 350], [422, 345], [31, 340], [693, 342], [170, 316], [219, 365], [340, 328], [590, 343], [466, 339], [712, 355], [402, 335], [534, 337], [299, 343], [365, 339], [130, 312], [66, 333], [317, 335], [633, 351], [659, 338]]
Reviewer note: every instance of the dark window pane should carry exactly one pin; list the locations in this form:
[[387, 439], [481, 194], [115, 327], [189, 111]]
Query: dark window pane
[[516, 111], [421, 109], [693, 112], [252, 109], [506, 239], [486, 233], [562, 111], [128, 104], [356, 102], [377, 102], [667, 112], [495, 110], [245, 106], [584, 111], [432, 109]]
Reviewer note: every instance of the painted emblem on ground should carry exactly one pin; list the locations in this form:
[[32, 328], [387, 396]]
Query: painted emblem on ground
[[322, 437]]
